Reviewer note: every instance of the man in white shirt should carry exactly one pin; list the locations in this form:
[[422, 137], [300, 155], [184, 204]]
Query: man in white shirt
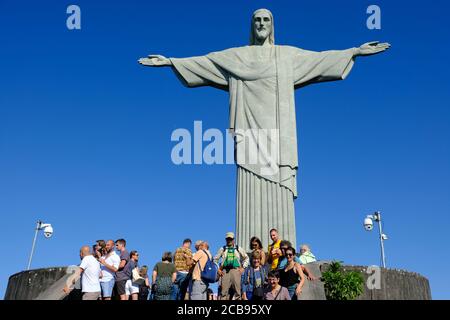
[[90, 275], [109, 265]]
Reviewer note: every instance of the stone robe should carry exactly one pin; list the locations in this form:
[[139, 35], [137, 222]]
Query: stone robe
[[261, 81]]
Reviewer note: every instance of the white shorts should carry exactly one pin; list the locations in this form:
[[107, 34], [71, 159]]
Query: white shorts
[[130, 288]]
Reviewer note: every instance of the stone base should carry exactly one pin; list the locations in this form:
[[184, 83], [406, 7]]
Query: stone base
[[41, 284], [394, 284], [313, 290]]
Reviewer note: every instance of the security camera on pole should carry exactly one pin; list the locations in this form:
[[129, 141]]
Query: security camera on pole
[[48, 232], [368, 225]]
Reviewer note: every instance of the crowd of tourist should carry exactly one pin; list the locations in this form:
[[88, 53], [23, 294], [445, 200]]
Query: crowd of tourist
[[109, 271]]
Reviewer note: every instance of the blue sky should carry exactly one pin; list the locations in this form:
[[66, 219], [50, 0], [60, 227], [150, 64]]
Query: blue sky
[[85, 131]]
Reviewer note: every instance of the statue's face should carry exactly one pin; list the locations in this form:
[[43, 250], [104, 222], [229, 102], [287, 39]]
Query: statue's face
[[262, 23]]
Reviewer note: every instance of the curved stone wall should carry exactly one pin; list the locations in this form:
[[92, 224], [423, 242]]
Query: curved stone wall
[[39, 284], [394, 285]]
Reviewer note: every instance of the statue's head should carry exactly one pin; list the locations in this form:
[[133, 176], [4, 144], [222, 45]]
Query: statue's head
[[262, 27]]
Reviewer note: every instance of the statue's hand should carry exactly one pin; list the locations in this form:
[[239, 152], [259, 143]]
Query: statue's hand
[[373, 47], [155, 61]]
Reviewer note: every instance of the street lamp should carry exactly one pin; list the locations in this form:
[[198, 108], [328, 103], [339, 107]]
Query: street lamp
[[48, 232], [368, 225]]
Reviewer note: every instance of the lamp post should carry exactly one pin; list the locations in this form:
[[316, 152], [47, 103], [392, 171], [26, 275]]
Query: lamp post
[[368, 225], [48, 232]]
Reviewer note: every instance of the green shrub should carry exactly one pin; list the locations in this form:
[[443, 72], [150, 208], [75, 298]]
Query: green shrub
[[340, 284]]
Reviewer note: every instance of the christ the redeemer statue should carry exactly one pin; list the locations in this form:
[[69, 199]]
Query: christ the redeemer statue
[[261, 79]]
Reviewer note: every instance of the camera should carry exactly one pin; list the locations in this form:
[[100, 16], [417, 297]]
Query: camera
[[48, 231], [368, 224]]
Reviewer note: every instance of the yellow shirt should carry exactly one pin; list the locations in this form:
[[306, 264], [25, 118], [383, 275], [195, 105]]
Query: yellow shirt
[[274, 257], [180, 260]]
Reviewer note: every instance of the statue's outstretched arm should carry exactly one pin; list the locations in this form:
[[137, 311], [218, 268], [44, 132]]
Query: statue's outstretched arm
[[155, 60], [371, 48]]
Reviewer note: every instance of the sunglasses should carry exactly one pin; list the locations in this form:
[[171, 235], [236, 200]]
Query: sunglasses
[[289, 255]]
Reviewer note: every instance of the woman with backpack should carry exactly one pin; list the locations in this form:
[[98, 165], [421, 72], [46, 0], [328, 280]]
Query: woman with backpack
[[164, 275], [254, 280]]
